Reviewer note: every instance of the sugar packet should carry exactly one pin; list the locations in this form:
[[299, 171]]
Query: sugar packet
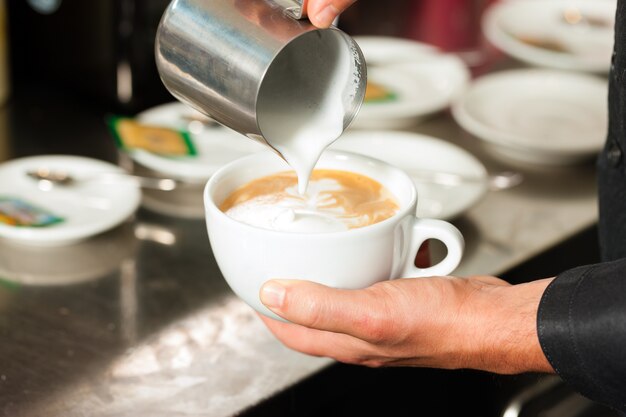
[[131, 135], [376, 93], [19, 213]]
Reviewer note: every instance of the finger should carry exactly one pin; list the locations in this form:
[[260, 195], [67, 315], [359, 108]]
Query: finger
[[359, 313], [322, 13], [319, 343]]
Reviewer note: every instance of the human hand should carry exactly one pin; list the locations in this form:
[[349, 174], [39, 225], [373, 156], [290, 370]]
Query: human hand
[[322, 13], [443, 322]]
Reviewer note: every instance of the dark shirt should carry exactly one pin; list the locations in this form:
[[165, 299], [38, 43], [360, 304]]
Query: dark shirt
[[582, 315]]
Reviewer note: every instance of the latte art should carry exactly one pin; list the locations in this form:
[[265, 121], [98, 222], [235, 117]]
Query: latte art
[[334, 201]]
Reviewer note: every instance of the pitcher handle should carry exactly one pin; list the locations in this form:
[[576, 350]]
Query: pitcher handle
[[293, 8]]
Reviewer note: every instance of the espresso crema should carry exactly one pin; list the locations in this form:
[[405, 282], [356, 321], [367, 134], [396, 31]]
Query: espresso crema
[[334, 201]]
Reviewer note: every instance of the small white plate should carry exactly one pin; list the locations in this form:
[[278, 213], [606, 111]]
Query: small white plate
[[418, 153], [584, 47], [67, 265], [423, 79], [545, 117], [216, 145], [388, 50], [88, 207]]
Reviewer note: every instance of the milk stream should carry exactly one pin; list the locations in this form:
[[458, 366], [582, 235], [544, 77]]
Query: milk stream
[[301, 110], [304, 147]]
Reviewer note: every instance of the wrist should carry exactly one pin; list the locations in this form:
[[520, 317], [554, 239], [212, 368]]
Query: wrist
[[506, 316]]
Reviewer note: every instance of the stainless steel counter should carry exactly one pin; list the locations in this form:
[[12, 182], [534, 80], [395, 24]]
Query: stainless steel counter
[[140, 322]]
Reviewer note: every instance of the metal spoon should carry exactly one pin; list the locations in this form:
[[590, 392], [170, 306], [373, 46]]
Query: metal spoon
[[53, 177], [495, 182], [205, 121]]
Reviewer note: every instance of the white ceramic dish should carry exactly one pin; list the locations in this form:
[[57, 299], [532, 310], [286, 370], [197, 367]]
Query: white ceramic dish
[[183, 202], [186, 204], [88, 207], [387, 50], [537, 116], [576, 45], [423, 79], [67, 265], [216, 145], [414, 152]]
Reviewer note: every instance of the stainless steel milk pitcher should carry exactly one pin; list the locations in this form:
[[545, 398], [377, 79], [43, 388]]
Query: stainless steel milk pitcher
[[243, 62]]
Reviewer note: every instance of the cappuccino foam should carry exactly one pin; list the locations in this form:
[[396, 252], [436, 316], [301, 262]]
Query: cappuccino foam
[[334, 201]]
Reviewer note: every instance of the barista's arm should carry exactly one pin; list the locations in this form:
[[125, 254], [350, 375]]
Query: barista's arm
[[574, 324], [323, 12], [444, 322]]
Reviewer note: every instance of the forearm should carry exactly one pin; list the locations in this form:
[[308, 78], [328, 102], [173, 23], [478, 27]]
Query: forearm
[[445, 322], [500, 323]]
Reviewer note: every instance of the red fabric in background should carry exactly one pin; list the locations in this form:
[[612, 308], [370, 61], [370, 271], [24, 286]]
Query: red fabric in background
[[452, 25], [422, 260]]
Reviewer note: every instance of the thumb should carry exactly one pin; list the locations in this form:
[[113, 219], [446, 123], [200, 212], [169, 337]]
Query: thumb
[[355, 312], [322, 13]]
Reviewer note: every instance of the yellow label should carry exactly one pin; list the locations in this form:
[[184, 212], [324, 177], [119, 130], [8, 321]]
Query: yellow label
[[155, 139], [377, 93]]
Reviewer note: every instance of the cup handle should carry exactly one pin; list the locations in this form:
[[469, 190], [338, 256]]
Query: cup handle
[[426, 229]]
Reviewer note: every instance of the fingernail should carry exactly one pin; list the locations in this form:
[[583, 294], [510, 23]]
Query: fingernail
[[273, 295], [326, 16]]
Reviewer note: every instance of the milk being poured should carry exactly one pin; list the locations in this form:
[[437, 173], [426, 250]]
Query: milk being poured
[[301, 108]]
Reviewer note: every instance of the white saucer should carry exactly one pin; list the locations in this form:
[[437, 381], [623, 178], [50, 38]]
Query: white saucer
[[183, 202], [67, 265], [88, 207], [589, 48], [388, 50], [539, 116], [414, 152], [423, 79], [216, 145]]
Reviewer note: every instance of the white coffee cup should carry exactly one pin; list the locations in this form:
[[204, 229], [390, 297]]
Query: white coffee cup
[[249, 256]]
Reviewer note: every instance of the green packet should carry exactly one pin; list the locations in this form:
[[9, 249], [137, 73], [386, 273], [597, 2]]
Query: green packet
[[19, 213], [131, 135], [8, 285]]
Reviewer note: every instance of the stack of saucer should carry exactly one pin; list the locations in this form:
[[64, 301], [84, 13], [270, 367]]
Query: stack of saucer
[[554, 114]]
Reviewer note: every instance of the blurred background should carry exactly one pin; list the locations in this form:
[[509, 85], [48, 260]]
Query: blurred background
[[103, 51]]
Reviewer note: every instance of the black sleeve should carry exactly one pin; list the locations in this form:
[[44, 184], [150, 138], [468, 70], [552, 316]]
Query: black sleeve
[[582, 330]]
